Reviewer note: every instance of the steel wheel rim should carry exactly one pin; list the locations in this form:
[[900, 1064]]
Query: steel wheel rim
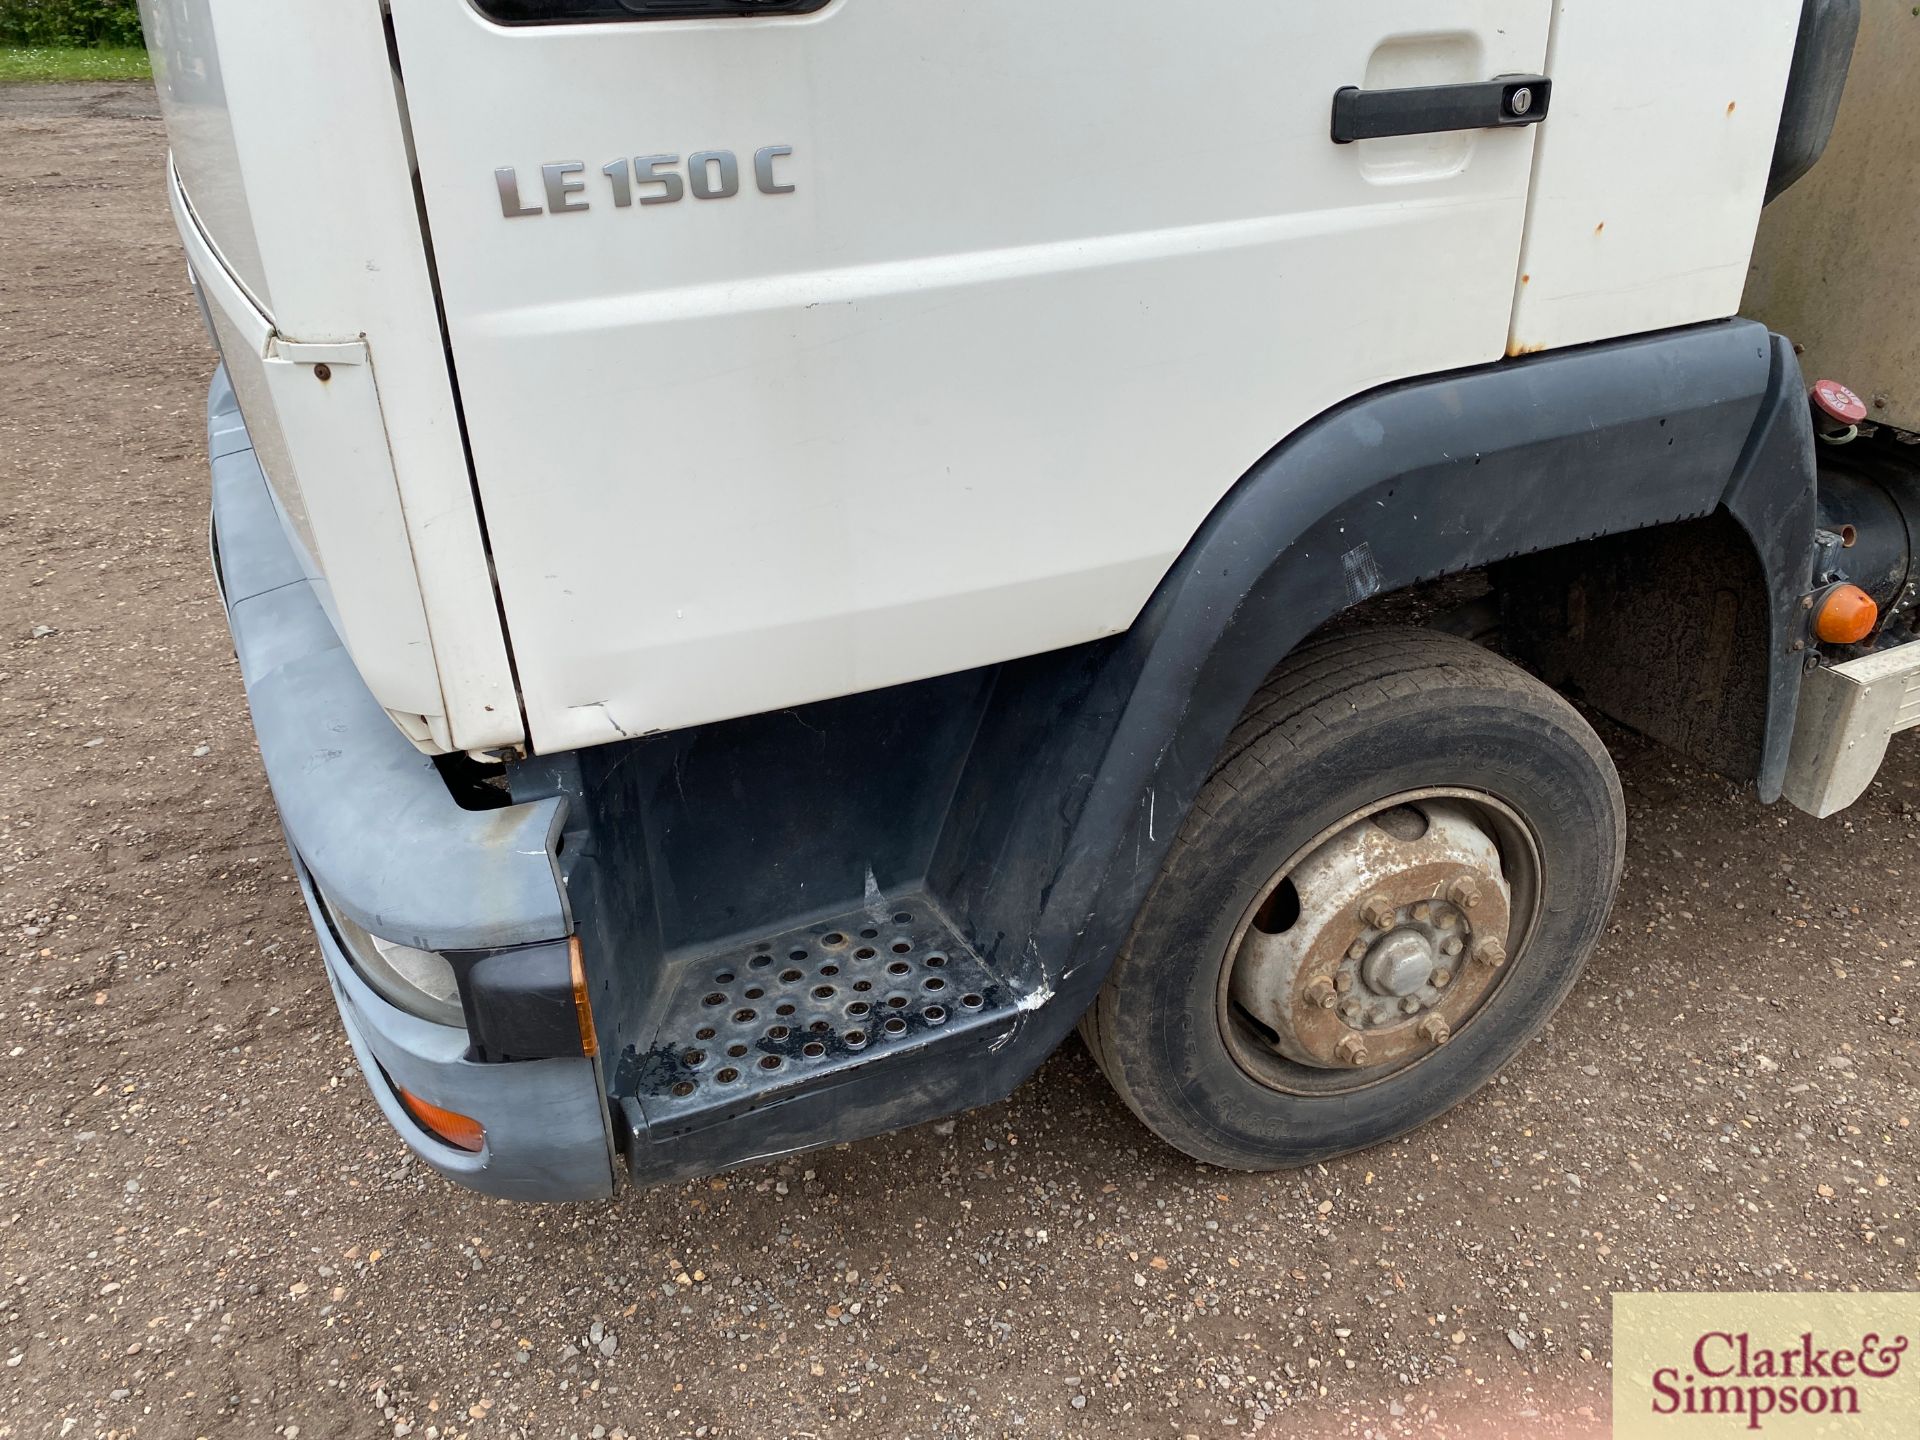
[[1250, 1043]]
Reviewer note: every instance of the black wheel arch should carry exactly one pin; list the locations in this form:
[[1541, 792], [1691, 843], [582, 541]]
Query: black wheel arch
[[1407, 484]]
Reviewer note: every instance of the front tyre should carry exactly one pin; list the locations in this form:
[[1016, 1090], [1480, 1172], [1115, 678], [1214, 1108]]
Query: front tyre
[[1390, 881]]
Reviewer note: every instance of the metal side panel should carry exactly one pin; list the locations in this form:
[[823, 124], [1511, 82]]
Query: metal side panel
[[1848, 713], [1836, 267]]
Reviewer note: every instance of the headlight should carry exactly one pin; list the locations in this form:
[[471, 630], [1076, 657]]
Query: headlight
[[420, 982]]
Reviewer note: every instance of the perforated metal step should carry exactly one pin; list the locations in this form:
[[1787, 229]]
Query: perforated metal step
[[757, 1023]]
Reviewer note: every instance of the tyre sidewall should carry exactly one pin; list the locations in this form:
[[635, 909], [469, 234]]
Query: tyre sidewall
[[1162, 1013]]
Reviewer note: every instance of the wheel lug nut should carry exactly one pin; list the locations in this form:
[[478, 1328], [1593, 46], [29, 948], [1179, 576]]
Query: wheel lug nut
[[1490, 953], [1379, 912], [1423, 912], [1357, 950], [1343, 982], [1464, 892], [1435, 1030], [1441, 977], [1411, 1005], [1321, 994], [1352, 1051], [1454, 945], [1351, 1010]]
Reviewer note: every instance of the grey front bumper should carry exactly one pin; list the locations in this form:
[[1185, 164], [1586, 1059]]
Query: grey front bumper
[[372, 825]]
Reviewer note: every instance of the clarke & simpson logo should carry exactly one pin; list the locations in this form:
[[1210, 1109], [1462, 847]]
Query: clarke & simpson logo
[[1729, 1374], [1781, 1365]]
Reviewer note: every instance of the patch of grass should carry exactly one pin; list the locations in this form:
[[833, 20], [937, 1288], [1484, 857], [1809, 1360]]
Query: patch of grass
[[43, 64]]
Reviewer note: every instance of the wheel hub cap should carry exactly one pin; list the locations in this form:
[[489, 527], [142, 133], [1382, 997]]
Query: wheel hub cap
[[1398, 936], [1400, 964]]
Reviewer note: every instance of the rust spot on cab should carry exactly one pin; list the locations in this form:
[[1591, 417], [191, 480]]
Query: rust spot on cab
[[1517, 348], [1601, 226], [1731, 104]]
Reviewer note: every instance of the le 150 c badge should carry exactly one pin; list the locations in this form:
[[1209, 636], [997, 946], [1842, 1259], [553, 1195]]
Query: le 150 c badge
[[643, 180]]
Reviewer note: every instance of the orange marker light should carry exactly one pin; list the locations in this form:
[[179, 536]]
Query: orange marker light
[[1847, 616], [589, 1040], [462, 1132]]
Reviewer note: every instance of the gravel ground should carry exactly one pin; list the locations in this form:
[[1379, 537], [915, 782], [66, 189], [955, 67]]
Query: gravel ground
[[206, 1228]]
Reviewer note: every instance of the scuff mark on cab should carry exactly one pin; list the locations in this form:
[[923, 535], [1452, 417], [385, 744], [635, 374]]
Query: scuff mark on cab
[[605, 709]]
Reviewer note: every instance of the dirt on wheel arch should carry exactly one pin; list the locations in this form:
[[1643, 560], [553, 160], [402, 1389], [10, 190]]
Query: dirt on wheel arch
[[206, 1229]]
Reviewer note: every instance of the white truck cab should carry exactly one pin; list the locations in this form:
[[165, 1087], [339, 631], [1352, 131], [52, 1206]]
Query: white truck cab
[[787, 552]]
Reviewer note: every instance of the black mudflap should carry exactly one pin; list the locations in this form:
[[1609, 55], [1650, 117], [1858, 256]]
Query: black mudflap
[[759, 1035]]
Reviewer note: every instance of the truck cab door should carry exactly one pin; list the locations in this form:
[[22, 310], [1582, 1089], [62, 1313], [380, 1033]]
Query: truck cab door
[[809, 354]]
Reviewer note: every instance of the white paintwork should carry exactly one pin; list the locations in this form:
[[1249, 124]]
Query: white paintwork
[[302, 138], [315, 428], [1055, 275], [1052, 278], [1652, 168]]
